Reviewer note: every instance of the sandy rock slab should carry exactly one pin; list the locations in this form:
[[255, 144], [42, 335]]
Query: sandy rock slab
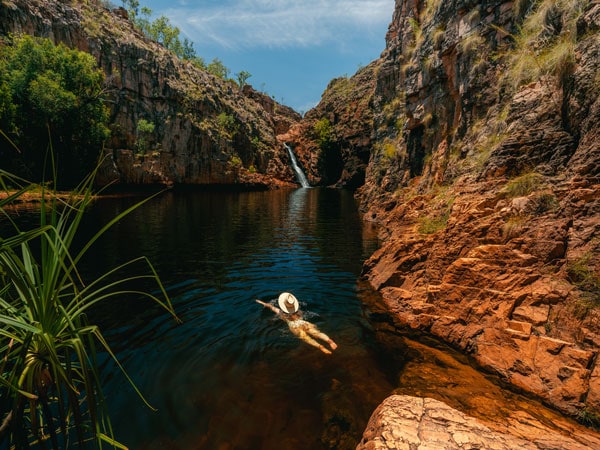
[[404, 422]]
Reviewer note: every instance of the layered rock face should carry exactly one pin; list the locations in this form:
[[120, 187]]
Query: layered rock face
[[485, 179], [207, 131]]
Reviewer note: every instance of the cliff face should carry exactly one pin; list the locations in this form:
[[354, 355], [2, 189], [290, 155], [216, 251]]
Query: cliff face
[[484, 176], [207, 130]]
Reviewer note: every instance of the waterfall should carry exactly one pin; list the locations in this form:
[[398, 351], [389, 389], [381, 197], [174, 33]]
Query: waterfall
[[297, 169]]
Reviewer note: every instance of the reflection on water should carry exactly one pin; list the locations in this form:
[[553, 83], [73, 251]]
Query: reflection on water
[[232, 375]]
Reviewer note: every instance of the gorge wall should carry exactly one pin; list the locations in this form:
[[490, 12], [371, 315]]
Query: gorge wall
[[207, 130], [484, 176], [474, 143]]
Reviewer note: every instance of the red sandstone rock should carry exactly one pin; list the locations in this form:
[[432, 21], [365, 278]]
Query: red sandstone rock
[[405, 422]]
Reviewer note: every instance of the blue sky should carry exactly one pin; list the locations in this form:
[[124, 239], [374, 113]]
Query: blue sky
[[292, 48]]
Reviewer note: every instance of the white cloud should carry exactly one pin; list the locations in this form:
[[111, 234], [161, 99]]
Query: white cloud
[[280, 23]]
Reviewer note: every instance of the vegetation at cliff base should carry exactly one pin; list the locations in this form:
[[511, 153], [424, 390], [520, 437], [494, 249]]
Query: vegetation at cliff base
[[50, 97], [50, 385]]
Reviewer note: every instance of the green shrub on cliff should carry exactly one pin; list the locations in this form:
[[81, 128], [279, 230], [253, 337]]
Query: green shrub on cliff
[[227, 125], [523, 185], [50, 96], [144, 132], [324, 133], [218, 69], [583, 274], [545, 44]]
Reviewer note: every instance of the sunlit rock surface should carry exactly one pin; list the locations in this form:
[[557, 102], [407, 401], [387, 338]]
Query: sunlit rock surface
[[486, 188], [414, 423], [488, 199]]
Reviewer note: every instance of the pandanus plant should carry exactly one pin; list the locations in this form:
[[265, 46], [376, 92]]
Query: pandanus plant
[[51, 386]]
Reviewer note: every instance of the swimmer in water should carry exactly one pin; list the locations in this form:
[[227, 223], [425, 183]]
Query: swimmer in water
[[290, 312]]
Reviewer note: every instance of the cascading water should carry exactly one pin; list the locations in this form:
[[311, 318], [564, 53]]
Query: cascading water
[[297, 169]]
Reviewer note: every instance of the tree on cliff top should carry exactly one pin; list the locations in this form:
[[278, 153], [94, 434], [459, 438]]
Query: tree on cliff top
[[50, 97], [162, 31]]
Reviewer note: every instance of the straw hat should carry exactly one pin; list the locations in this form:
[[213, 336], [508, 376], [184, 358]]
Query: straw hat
[[288, 303]]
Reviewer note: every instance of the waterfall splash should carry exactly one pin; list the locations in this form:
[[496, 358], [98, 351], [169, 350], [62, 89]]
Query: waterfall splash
[[297, 169]]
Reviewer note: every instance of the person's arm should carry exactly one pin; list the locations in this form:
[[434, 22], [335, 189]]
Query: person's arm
[[268, 305]]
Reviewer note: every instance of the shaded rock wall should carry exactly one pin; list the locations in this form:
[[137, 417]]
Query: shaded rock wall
[[207, 130]]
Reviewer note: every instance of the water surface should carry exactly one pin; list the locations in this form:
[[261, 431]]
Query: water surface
[[232, 375]]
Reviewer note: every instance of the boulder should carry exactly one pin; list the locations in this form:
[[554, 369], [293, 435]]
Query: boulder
[[416, 423]]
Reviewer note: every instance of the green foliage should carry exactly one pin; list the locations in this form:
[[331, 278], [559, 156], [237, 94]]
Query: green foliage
[[434, 223], [523, 185], [242, 77], [417, 34], [50, 384], [218, 69], [162, 31], [545, 44], [144, 132], [589, 418], [50, 96], [582, 274], [227, 125], [324, 133], [389, 150], [438, 219], [235, 161], [393, 112]]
